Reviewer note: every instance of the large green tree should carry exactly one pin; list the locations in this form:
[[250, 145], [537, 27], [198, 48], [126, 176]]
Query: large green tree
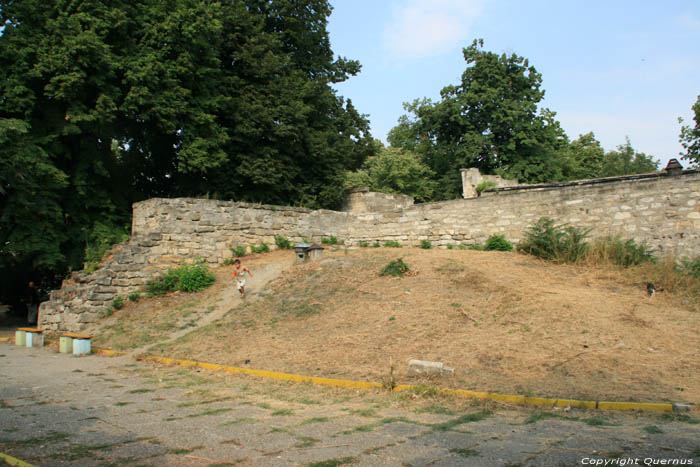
[[626, 161], [490, 121], [103, 103], [690, 137], [395, 170]]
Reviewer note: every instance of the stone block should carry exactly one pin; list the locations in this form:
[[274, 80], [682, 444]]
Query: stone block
[[425, 368]]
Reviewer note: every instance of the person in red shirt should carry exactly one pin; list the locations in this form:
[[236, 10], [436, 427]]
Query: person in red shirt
[[240, 274]]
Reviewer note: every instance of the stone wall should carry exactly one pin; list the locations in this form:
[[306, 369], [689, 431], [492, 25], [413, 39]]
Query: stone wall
[[471, 178], [659, 209], [363, 200]]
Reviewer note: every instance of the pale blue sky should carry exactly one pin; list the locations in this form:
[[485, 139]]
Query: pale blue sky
[[617, 68]]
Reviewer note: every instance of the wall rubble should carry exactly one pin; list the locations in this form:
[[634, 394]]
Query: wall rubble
[[663, 211]]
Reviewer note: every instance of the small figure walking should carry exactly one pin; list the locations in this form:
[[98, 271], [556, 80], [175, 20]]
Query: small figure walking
[[240, 274], [32, 303]]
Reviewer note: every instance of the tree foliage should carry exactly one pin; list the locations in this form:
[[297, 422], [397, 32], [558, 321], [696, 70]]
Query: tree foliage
[[395, 171], [690, 137], [106, 103], [627, 161], [490, 121]]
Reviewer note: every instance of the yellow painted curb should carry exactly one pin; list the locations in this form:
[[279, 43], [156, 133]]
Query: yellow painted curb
[[105, 351], [269, 374], [14, 461], [511, 399], [343, 383], [6, 339]]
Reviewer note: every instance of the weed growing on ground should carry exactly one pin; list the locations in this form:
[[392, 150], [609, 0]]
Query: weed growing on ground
[[653, 429], [134, 296], [334, 462], [396, 268], [118, 302], [425, 244], [332, 240], [472, 417], [392, 244], [363, 244], [613, 249], [263, 248], [465, 452]]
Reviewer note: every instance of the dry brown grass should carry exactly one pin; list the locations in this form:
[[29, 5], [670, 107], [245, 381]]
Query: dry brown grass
[[507, 322]]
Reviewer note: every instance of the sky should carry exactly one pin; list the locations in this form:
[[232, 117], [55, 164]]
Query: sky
[[618, 68]]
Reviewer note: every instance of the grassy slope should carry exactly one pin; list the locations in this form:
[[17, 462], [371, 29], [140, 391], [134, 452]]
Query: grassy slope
[[506, 322]]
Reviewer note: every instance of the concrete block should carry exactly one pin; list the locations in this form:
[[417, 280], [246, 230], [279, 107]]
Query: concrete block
[[35, 339], [422, 367], [66, 344], [81, 347], [21, 338]]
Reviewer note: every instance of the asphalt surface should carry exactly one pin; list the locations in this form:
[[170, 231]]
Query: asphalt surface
[[60, 410]]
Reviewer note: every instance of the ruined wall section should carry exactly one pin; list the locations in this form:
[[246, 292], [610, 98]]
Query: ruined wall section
[[663, 211]]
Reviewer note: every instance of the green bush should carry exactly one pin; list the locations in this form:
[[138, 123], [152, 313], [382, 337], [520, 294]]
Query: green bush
[[187, 278], [450, 247], [376, 245], [329, 241], [363, 244], [555, 242], [498, 243], [425, 244], [691, 267], [392, 244], [395, 268], [616, 250], [483, 186], [283, 243], [238, 251], [263, 248], [134, 296], [194, 277], [472, 246], [117, 303]]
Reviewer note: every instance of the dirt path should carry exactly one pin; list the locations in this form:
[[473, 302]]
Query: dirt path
[[226, 297]]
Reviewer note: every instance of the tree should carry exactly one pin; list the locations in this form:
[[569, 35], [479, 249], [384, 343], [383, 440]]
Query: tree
[[489, 121], [627, 161], [585, 155], [690, 137], [395, 170], [106, 103]]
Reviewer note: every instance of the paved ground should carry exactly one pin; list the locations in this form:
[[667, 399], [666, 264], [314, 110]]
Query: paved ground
[[58, 410]]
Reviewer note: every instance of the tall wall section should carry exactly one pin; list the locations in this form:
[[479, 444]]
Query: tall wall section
[[661, 210]]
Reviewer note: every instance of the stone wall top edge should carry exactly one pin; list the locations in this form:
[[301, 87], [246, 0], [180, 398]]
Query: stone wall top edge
[[225, 203], [654, 176]]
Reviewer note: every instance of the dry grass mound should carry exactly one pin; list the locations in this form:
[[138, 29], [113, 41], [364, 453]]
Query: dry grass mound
[[506, 322]]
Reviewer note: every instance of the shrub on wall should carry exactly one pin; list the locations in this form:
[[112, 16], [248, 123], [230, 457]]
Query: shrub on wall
[[283, 243]]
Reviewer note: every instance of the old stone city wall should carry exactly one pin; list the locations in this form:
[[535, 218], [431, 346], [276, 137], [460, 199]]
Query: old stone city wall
[[659, 209]]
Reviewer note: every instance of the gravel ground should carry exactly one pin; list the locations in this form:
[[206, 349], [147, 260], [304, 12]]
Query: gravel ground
[[59, 410]]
